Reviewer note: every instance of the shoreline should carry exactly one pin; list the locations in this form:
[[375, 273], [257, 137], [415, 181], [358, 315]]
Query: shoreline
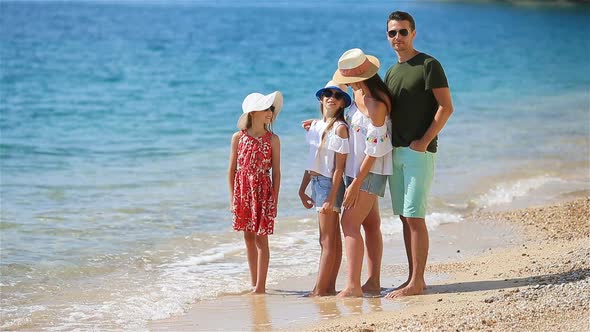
[[286, 306], [539, 278]]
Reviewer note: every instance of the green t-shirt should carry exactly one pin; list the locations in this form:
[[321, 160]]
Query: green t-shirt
[[414, 105]]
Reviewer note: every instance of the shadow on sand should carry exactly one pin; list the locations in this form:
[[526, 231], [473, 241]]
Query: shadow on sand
[[474, 286]]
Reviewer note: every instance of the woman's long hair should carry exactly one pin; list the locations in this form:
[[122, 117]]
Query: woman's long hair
[[378, 90]]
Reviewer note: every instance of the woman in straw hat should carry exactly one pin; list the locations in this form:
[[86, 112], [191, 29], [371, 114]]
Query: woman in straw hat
[[368, 166]]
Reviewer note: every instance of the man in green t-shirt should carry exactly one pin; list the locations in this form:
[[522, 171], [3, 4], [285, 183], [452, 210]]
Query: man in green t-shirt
[[421, 107]]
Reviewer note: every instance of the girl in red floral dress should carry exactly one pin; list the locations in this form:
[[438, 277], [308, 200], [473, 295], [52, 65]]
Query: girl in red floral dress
[[254, 180]]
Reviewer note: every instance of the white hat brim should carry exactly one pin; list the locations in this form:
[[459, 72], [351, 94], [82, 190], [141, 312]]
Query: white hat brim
[[259, 102]]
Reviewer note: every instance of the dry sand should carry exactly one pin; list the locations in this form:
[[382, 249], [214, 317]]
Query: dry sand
[[540, 284]]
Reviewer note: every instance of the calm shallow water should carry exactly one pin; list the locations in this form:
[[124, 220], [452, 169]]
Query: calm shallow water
[[116, 119]]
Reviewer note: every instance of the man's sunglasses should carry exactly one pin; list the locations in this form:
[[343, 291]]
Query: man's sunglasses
[[329, 93], [393, 33]]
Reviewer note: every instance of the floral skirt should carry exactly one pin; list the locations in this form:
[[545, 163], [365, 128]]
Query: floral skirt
[[254, 208]]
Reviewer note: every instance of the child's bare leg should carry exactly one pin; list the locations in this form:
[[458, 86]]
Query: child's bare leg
[[337, 255], [263, 259], [327, 224], [250, 239]]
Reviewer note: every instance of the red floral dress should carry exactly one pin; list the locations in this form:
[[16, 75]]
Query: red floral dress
[[254, 207]]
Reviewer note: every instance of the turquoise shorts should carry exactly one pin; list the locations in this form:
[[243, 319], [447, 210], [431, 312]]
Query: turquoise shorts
[[410, 182]]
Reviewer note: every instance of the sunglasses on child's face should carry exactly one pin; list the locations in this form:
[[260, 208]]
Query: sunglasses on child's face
[[329, 93], [393, 33]]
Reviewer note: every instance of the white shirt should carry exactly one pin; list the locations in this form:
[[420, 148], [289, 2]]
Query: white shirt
[[321, 158], [366, 139]]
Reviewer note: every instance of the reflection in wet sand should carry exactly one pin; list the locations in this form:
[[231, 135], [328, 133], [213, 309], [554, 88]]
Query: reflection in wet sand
[[354, 305], [328, 307], [260, 317], [357, 306], [375, 304]]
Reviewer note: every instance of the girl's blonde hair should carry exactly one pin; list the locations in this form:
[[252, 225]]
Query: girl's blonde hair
[[249, 123]]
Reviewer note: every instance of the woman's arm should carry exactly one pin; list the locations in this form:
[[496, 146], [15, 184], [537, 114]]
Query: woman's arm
[[352, 192]]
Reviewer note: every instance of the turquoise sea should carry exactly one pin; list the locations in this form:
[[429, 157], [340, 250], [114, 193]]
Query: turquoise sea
[[116, 118]]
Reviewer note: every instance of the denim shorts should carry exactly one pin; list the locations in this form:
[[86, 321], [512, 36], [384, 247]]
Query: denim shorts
[[320, 190], [373, 183]]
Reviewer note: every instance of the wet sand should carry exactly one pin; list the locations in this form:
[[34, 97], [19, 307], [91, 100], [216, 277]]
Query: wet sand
[[286, 306]]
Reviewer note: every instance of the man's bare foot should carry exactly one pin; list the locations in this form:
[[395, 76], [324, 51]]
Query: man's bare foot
[[406, 291], [372, 288], [405, 284], [349, 292]]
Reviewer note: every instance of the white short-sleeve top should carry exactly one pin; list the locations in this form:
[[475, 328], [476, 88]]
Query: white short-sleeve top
[[321, 158], [366, 139]]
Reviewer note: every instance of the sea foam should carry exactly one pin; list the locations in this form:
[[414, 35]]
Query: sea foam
[[507, 192]]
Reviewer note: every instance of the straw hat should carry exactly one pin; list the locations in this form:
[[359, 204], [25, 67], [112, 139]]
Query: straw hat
[[333, 86], [258, 102], [355, 66]]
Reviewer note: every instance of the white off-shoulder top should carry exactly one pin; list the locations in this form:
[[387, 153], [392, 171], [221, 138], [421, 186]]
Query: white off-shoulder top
[[321, 159], [366, 139]]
